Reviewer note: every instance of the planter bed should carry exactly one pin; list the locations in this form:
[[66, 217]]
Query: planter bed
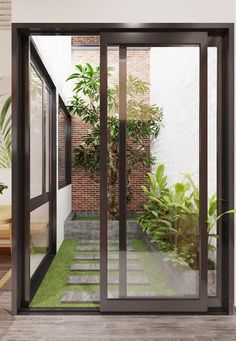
[[84, 227]]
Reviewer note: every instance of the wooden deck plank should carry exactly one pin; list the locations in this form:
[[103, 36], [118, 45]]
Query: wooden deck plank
[[113, 327]]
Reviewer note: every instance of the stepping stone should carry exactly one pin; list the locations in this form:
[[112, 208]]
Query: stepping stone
[[95, 241], [89, 241], [115, 294], [94, 296], [140, 280], [111, 267], [97, 248], [80, 296], [83, 280], [132, 256]]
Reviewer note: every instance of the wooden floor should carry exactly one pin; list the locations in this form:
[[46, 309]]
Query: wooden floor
[[104, 328]]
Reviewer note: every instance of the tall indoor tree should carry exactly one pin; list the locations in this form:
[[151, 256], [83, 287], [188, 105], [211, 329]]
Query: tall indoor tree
[[143, 124]]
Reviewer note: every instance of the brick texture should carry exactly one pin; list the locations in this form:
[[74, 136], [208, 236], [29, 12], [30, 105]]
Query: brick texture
[[61, 148], [85, 191]]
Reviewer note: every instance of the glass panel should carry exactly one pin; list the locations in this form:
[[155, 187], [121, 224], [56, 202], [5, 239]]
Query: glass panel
[[36, 133], [47, 104], [212, 169], [39, 236], [61, 148], [163, 172], [113, 169]]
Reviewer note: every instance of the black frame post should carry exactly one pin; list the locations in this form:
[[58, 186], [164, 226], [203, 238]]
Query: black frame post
[[122, 173]]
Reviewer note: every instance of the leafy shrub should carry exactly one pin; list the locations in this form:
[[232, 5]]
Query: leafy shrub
[[170, 218]]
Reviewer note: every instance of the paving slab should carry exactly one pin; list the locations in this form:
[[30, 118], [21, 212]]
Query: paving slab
[[94, 279], [96, 241], [111, 267], [80, 296], [97, 248], [111, 256], [94, 296]]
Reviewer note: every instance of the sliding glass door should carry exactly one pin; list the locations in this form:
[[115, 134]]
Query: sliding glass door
[[166, 166], [42, 197], [155, 133]]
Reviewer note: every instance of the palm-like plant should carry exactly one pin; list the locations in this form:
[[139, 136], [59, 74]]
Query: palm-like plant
[[170, 218], [5, 135]]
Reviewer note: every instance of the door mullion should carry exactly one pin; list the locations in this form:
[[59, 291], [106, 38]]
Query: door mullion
[[103, 175], [122, 173], [203, 174]]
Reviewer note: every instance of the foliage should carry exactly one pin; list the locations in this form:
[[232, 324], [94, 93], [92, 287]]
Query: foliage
[[170, 218], [5, 135], [2, 187], [143, 122]]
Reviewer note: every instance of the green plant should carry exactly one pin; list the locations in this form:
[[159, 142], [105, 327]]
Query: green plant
[[170, 218], [2, 187], [143, 123], [5, 135]]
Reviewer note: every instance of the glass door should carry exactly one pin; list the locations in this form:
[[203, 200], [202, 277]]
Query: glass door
[[154, 238], [41, 167]]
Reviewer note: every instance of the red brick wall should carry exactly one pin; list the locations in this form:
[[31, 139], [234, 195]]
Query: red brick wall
[[85, 191], [61, 148]]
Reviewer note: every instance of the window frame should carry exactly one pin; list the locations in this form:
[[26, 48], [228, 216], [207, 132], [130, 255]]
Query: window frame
[[68, 167]]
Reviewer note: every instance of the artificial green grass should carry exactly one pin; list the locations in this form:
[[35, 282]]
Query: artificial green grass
[[86, 218], [54, 283]]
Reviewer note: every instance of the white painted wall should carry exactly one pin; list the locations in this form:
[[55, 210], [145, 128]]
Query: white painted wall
[[174, 86], [64, 205], [138, 11], [174, 78], [121, 11], [56, 56]]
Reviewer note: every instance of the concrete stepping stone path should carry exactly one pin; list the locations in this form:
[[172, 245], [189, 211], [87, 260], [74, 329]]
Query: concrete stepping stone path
[[95, 241], [80, 296], [132, 256], [88, 250], [111, 267], [136, 280], [94, 296], [91, 248]]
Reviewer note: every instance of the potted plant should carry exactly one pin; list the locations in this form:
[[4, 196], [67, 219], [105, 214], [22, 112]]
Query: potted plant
[[2, 187]]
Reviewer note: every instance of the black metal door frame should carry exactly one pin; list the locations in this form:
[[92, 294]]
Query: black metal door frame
[[20, 59]]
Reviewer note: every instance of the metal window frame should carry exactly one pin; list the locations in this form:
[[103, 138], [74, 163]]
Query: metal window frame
[[28, 285], [67, 127], [20, 53], [46, 197]]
